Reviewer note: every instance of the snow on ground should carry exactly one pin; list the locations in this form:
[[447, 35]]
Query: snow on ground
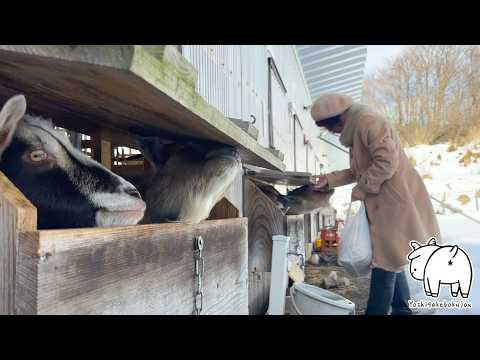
[[451, 175], [445, 176]]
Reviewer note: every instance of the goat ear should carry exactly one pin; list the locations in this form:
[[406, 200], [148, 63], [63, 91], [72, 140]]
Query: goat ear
[[10, 115], [415, 244]]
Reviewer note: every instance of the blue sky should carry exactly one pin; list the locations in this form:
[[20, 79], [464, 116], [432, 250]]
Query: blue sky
[[378, 56]]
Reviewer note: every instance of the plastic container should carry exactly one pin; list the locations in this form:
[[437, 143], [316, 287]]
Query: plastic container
[[312, 300], [329, 241]]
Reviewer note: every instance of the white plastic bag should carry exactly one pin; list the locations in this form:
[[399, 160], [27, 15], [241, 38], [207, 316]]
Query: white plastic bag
[[355, 248]]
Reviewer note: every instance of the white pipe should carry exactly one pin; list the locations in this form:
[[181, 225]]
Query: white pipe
[[279, 276]]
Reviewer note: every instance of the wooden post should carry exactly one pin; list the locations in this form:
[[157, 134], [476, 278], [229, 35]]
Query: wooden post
[[102, 151], [106, 154], [16, 214]]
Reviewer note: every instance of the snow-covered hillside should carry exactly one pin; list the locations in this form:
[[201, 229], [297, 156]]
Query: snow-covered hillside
[[451, 176]]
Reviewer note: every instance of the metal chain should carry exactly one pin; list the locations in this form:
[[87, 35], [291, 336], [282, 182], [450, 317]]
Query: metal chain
[[199, 269]]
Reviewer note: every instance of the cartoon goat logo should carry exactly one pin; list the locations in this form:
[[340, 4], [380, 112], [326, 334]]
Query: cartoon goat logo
[[435, 265]]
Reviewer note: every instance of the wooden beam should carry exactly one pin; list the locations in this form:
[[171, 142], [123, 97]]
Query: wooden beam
[[121, 89]]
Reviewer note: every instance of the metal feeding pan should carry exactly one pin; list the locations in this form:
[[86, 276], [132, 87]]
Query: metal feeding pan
[[273, 177]]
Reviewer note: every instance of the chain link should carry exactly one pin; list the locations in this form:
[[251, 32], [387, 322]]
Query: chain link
[[199, 269]]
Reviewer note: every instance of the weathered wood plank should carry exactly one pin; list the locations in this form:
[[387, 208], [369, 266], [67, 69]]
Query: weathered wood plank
[[224, 209], [265, 220], [258, 292], [133, 270], [16, 214], [120, 88]]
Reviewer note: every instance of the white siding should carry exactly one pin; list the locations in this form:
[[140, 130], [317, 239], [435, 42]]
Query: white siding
[[311, 160], [234, 79], [301, 150], [282, 123]]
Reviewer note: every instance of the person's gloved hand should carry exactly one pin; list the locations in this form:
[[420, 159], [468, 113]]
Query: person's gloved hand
[[357, 194], [321, 183]]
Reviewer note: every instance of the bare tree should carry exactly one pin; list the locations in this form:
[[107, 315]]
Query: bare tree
[[431, 92]]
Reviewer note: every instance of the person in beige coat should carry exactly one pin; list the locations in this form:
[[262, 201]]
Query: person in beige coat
[[397, 203]]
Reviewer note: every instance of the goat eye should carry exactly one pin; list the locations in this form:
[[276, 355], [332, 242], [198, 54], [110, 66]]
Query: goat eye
[[38, 155]]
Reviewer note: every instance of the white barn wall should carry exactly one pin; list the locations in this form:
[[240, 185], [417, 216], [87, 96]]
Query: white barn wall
[[234, 78]]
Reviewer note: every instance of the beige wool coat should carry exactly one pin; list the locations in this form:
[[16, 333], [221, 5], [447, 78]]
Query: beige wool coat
[[397, 202]]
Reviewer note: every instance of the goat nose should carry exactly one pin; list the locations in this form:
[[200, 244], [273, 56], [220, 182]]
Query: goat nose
[[133, 192]]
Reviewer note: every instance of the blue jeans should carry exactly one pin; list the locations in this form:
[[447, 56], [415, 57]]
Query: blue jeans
[[388, 289]]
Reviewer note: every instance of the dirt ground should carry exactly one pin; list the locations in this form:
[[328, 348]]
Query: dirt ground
[[357, 291]]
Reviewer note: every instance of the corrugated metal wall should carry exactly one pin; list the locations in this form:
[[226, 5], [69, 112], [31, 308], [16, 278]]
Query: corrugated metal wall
[[234, 79]]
